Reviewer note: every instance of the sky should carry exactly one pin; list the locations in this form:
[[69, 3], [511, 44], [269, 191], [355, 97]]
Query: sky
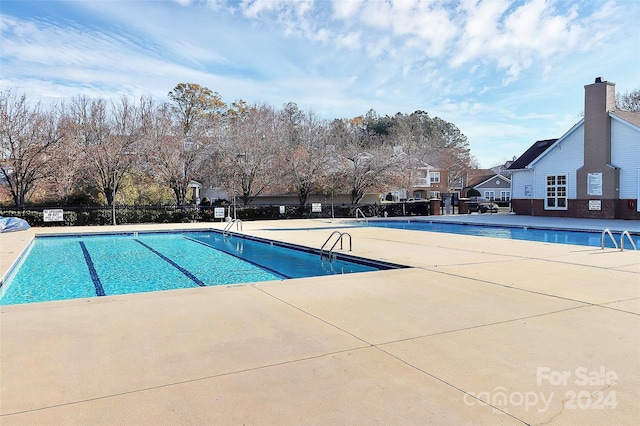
[[506, 73]]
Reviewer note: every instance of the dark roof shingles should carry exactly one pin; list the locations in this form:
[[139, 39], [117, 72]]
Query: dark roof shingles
[[531, 154]]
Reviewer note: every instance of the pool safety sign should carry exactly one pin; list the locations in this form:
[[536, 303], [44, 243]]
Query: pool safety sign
[[55, 215], [218, 213]]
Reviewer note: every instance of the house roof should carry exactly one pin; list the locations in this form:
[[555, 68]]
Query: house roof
[[424, 165], [628, 116], [479, 180], [532, 153], [474, 174]]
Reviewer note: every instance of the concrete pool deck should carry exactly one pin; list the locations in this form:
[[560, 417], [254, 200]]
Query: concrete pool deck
[[476, 331]]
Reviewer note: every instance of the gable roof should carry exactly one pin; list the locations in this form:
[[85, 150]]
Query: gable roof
[[532, 153], [480, 180]]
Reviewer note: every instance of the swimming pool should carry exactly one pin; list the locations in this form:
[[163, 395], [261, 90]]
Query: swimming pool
[[557, 236], [79, 266]]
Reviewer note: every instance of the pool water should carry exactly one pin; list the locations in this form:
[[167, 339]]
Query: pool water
[[69, 267], [558, 236]]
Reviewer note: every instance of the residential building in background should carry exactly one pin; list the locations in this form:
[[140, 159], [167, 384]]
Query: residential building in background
[[592, 171]]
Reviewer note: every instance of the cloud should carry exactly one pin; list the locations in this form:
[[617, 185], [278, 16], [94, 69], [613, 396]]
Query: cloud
[[426, 26], [515, 38], [253, 8], [345, 9], [350, 41]]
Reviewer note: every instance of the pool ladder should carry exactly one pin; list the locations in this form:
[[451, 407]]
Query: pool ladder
[[358, 210], [227, 228], [340, 237], [615, 243]]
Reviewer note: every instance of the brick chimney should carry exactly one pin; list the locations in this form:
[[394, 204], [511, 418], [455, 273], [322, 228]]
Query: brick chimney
[[599, 100]]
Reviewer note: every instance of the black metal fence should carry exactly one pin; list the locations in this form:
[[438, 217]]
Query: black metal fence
[[103, 215]]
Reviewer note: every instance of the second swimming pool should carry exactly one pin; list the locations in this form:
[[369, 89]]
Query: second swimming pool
[[79, 266], [544, 235]]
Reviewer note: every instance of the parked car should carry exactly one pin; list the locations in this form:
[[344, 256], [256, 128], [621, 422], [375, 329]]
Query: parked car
[[481, 205]]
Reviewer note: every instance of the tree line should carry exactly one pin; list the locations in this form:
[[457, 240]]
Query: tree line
[[90, 150]]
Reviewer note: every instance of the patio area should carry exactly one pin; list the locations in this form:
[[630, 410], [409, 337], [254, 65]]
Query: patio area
[[494, 332]]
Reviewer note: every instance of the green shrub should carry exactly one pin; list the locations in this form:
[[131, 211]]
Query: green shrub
[[89, 215]]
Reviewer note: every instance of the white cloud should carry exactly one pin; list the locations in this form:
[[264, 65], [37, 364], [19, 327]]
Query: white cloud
[[321, 35], [515, 38], [350, 41], [381, 47], [345, 9], [252, 8], [377, 14], [480, 21]]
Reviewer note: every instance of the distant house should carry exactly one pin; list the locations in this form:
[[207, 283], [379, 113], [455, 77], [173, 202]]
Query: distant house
[[428, 182], [592, 171], [494, 187], [503, 169]]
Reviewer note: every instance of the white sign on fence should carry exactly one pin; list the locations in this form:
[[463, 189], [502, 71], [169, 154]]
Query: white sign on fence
[[282, 210], [218, 213], [316, 208], [55, 215]]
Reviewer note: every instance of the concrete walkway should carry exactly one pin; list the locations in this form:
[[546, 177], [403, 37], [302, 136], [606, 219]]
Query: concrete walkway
[[493, 332]]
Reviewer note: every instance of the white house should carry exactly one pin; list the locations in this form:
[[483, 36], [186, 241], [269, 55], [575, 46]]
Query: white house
[[592, 171]]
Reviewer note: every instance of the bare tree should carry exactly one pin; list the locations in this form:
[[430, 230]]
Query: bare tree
[[254, 148], [27, 139], [164, 152], [366, 163], [108, 140], [304, 157], [67, 167], [187, 144], [629, 101], [246, 158]]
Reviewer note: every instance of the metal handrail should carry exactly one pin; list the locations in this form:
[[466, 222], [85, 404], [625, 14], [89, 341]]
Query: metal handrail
[[633, 244], [228, 226], [327, 240], [358, 210], [607, 232], [334, 244], [338, 240]]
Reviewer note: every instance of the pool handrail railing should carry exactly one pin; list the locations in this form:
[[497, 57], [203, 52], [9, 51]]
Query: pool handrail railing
[[607, 232], [358, 210], [228, 226], [633, 244], [615, 243], [338, 240]]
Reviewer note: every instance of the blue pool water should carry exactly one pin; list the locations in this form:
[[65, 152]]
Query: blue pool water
[[69, 267], [583, 238]]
